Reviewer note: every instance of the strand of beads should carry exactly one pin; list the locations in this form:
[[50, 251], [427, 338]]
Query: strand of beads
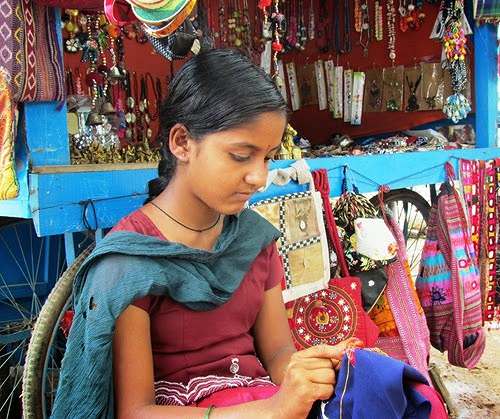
[[454, 41], [278, 27], [379, 22], [357, 16], [391, 30], [364, 36]]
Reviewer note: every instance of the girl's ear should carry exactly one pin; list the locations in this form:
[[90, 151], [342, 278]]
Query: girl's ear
[[179, 143]]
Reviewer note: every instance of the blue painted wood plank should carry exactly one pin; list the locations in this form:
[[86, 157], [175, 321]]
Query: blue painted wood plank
[[59, 199], [47, 133], [485, 69], [76, 187]]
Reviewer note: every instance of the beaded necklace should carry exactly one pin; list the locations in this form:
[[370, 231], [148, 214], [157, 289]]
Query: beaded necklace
[[312, 26], [379, 23], [342, 44], [364, 35], [391, 30]]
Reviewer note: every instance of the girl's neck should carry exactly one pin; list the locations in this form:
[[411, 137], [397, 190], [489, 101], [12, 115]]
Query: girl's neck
[[182, 205]]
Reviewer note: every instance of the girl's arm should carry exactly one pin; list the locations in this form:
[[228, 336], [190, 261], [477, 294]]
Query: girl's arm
[[134, 378], [272, 335], [309, 375]]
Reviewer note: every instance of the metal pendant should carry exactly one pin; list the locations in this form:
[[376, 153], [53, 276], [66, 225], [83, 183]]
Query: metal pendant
[[235, 366], [115, 75], [130, 102], [108, 109], [94, 119]]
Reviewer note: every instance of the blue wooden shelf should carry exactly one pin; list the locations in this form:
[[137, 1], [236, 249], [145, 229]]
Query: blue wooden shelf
[[61, 197]]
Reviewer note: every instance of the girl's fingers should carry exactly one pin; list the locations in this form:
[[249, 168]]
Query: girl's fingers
[[321, 376], [330, 351], [317, 363]]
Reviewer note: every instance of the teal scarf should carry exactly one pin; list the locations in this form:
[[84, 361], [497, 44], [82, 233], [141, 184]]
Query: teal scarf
[[126, 266]]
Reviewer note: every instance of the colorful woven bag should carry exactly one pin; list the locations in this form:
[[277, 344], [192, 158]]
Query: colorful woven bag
[[448, 283], [410, 342], [9, 187], [335, 313]]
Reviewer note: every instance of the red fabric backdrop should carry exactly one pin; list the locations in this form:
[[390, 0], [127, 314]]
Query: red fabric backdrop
[[411, 47]]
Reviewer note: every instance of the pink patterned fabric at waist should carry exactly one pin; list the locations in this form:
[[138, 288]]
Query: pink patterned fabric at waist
[[178, 394]]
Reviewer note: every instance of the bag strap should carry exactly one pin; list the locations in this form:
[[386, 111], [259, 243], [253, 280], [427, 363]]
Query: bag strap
[[320, 178]]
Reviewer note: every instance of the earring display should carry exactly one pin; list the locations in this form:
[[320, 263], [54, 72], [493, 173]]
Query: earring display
[[373, 91], [413, 89], [393, 88]]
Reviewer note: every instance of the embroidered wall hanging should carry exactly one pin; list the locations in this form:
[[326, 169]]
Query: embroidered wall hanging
[[303, 244]]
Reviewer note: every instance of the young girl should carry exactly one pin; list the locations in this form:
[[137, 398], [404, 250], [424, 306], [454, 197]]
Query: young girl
[[220, 126], [184, 294]]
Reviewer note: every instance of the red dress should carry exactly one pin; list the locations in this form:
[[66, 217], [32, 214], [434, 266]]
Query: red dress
[[193, 350]]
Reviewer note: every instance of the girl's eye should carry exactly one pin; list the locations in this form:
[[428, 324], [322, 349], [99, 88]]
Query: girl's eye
[[239, 158]]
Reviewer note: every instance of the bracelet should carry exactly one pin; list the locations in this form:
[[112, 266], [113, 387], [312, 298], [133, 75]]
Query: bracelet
[[207, 413]]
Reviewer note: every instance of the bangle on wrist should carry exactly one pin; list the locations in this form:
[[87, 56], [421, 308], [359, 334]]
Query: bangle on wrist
[[208, 411]]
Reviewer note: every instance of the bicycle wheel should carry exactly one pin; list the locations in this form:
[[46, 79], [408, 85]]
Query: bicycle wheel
[[46, 347], [29, 267], [411, 211]]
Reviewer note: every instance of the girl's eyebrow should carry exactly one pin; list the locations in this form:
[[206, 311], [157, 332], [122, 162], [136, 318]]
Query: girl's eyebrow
[[253, 147]]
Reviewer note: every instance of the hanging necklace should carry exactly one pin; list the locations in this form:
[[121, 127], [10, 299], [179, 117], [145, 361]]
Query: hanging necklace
[[364, 33], [379, 25], [184, 225], [391, 30]]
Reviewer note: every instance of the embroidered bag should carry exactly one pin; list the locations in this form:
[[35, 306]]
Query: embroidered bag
[[448, 282], [335, 313], [303, 245], [403, 333], [350, 208]]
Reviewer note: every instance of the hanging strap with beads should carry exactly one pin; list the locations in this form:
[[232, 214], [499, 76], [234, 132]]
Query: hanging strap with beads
[[338, 89], [321, 84], [358, 87], [347, 95], [293, 85], [329, 73], [281, 75]]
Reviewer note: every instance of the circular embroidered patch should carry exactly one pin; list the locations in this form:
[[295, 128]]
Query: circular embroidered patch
[[325, 317]]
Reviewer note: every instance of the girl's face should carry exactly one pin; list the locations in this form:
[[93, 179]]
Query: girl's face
[[226, 168]]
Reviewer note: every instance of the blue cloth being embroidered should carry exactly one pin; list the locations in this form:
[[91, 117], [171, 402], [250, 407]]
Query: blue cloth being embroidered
[[126, 266], [374, 386]]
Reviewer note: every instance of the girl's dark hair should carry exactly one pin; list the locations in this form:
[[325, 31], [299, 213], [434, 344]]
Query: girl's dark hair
[[216, 90]]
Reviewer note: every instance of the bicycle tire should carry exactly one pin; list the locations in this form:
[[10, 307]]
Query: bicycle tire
[[421, 205], [43, 331], [406, 195]]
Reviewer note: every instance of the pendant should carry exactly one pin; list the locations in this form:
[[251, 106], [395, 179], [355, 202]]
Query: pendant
[[302, 225], [235, 366]]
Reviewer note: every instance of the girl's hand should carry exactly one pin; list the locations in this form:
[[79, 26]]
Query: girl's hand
[[310, 376]]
